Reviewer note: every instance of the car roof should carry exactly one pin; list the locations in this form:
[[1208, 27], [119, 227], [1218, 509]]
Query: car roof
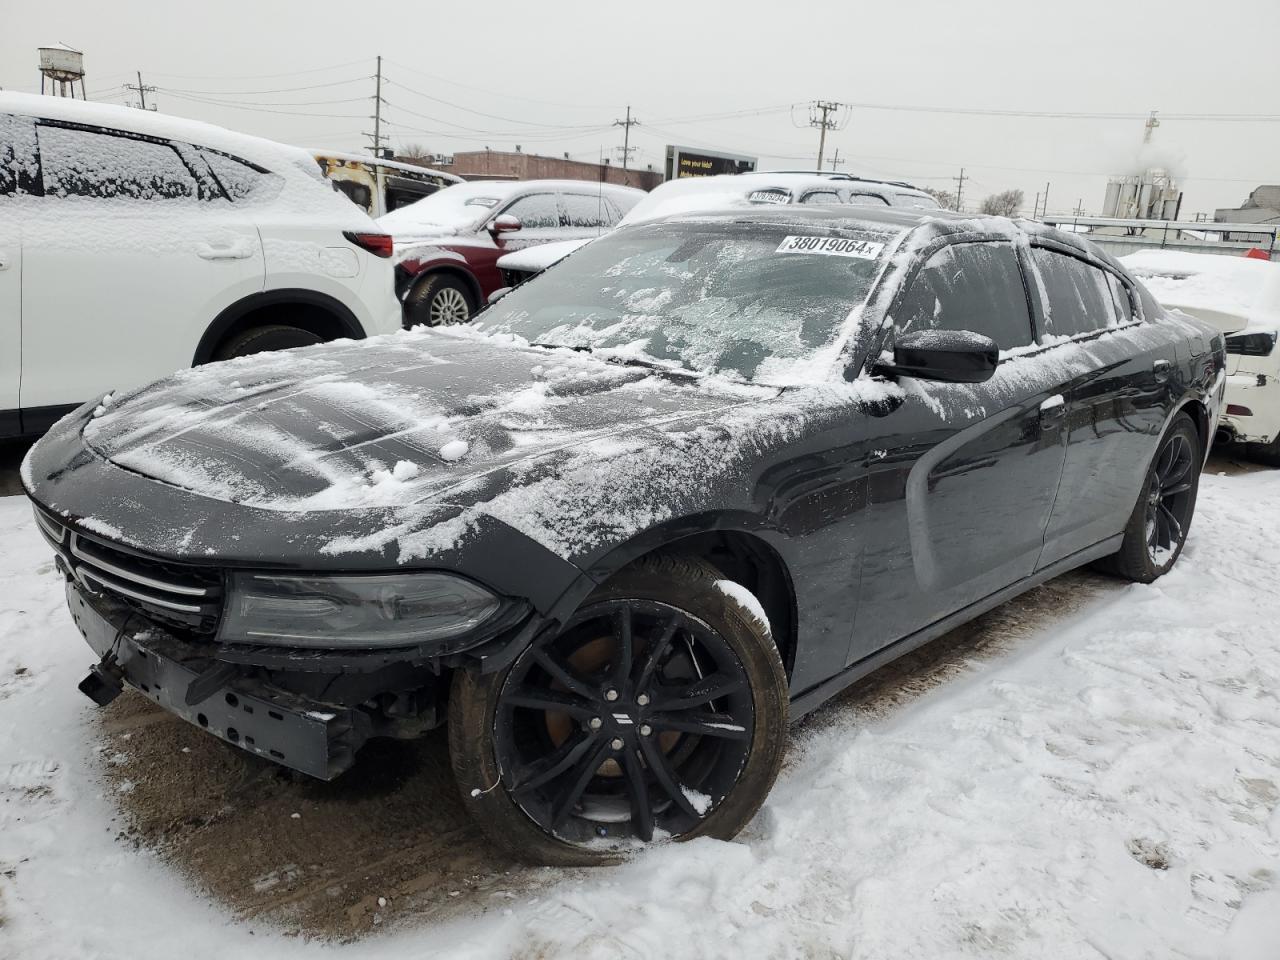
[[893, 219], [153, 124], [818, 176]]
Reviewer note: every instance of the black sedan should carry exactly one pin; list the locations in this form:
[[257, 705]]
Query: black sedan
[[655, 503]]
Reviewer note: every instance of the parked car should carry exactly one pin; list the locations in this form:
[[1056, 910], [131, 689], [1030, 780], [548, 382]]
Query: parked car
[[133, 244], [447, 245], [380, 186], [729, 190], [1241, 297], [681, 489]]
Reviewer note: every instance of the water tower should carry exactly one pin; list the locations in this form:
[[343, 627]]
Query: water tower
[[62, 67]]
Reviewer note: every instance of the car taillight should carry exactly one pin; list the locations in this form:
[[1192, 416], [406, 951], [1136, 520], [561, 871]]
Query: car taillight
[[1252, 344], [1235, 410], [379, 244]]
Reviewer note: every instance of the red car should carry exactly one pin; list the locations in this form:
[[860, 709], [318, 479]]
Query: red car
[[447, 245]]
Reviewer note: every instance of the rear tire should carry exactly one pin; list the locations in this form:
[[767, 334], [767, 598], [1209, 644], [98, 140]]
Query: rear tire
[[1157, 528], [262, 339], [673, 725], [1267, 454], [438, 300]]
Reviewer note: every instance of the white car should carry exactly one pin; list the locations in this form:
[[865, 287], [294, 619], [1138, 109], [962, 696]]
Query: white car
[[133, 244], [691, 194], [1241, 297]]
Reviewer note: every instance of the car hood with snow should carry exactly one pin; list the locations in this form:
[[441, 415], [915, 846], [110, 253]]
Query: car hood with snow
[[391, 448]]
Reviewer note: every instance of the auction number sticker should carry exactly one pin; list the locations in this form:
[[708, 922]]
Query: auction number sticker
[[831, 247]]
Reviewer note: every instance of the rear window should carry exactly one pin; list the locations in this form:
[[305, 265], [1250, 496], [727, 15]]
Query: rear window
[[1079, 295], [868, 200], [85, 163]]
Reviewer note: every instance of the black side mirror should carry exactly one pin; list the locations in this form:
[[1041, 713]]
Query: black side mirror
[[951, 356]]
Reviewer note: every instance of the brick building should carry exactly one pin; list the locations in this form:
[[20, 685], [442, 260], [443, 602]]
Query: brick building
[[517, 165]]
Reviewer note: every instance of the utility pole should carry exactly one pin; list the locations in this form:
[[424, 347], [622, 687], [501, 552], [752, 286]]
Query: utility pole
[[1046, 199], [835, 160], [823, 123], [141, 90], [377, 112], [1035, 207], [626, 125], [959, 190], [1152, 123], [1080, 207]]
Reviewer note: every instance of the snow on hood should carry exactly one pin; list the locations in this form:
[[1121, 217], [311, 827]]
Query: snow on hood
[[537, 258], [1230, 293], [432, 432]]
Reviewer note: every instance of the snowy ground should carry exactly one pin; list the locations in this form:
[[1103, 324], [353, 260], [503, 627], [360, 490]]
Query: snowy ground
[[1102, 782]]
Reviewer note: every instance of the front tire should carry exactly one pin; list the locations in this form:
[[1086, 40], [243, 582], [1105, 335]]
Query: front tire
[[261, 339], [1158, 527], [658, 711], [438, 300]]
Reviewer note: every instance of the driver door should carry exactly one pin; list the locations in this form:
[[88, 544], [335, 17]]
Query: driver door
[[963, 476], [540, 222]]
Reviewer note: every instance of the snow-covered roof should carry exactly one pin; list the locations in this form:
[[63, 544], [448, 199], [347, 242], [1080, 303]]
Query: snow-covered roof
[[1228, 292], [411, 168], [155, 124]]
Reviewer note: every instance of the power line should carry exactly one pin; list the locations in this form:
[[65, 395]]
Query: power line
[[257, 76], [238, 93]]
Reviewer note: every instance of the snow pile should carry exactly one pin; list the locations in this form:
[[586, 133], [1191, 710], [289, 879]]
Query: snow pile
[[1113, 790]]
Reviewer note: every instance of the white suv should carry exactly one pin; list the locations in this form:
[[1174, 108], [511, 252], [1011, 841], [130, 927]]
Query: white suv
[[133, 244]]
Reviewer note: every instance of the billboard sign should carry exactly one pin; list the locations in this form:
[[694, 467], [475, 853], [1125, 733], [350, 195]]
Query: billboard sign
[[693, 162]]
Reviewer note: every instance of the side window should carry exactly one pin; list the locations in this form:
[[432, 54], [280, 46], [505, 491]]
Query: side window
[[18, 167], [536, 210], [84, 163], [586, 211], [820, 196], [238, 180], [1123, 301], [357, 193], [868, 200], [969, 286], [1079, 295]]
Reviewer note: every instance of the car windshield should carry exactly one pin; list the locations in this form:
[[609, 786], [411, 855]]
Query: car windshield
[[763, 301], [459, 207]]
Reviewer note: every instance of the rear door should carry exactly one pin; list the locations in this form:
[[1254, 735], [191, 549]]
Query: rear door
[[1121, 388], [127, 258], [586, 215], [963, 476], [17, 162]]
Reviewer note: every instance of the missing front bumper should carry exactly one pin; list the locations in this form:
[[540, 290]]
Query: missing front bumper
[[315, 739]]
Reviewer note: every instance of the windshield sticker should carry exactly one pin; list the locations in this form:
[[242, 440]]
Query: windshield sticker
[[768, 196], [831, 247]]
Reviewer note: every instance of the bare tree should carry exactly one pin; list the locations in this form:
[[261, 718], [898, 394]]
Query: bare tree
[[1006, 203], [946, 198], [415, 153]]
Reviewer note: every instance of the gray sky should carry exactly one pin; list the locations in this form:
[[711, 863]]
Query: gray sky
[[553, 75]]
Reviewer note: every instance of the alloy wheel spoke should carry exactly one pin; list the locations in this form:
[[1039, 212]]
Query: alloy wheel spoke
[[554, 665], [552, 701], [581, 775], [657, 647], [695, 694], [1172, 525], [545, 769], [622, 660], [1176, 489], [638, 794], [703, 723], [666, 777]]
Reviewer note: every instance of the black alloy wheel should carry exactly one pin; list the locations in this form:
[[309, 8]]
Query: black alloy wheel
[[1170, 497], [1157, 529], [642, 719]]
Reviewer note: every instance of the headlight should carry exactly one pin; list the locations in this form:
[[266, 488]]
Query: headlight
[[352, 612]]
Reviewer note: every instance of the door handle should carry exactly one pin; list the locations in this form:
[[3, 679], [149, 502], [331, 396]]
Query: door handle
[[235, 251]]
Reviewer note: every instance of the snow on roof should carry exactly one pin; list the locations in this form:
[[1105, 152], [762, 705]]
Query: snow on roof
[[268, 153], [1228, 292], [387, 164]]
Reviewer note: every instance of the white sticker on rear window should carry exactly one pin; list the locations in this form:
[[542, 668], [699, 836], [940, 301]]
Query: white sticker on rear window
[[768, 196], [831, 247]]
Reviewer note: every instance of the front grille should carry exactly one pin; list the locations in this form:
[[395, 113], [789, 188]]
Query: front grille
[[173, 594]]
